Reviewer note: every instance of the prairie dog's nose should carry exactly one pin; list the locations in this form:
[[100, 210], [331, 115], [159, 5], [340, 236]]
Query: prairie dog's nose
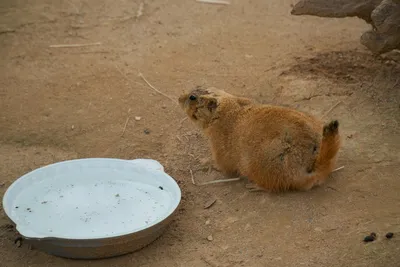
[[182, 100]]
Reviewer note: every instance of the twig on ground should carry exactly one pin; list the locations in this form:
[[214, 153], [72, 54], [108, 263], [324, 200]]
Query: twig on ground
[[126, 77], [73, 45], [221, 181], [218, 2], [338, 169], [7, 31], [208, 262], [182, 120], [155, 89], [209, 203], [90, 52], [191, 175], [180, 140], [395, 84], [330, 110], [334, 189], [74, 6], [126, 123]]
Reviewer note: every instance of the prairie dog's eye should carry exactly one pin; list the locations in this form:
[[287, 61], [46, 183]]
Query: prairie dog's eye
[[192, 97]]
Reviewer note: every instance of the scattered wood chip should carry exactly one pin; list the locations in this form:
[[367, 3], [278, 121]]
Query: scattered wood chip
[[18, 242], [318, 229], [217, 2], [73, 45], [209, 203], [139, 12]]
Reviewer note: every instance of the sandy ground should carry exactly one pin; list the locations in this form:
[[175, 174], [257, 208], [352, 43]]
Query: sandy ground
[[63, 103]]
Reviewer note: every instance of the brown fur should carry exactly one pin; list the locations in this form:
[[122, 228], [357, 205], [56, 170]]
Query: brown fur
[[277, 148]]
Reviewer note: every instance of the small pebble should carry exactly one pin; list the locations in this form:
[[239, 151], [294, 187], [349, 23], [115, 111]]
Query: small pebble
[[389, 235], [161, 187], [137, 118], [72, 127], [146, 131], [208, 222], [210, 238], [370, 238]]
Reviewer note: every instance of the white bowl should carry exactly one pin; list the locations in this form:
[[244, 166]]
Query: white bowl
[[93, 208]]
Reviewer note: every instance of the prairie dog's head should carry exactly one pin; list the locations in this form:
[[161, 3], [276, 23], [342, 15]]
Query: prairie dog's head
[[205, 105]]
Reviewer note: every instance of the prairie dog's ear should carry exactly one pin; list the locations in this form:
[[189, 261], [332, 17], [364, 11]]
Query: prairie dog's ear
[[244, 101], [212, 104]]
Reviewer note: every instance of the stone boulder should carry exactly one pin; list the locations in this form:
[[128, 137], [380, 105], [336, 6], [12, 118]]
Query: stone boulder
[[383, 15]]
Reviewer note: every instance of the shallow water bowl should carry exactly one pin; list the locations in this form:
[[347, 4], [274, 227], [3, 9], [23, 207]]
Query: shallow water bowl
[[93, 208]]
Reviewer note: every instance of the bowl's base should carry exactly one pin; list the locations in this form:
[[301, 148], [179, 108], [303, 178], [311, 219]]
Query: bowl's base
[[99, 249]]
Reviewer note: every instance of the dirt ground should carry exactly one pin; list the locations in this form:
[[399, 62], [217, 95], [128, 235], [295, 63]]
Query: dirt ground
[[64, 103]]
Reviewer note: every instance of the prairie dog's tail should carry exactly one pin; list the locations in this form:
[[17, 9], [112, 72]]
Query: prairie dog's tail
[[330, 145], [325, 160]]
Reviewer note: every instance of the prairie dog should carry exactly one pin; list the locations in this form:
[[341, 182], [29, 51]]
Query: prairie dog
[[275, 147]]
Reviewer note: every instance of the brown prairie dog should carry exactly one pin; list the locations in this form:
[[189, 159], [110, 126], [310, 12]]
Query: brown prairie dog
[[275, 147]]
